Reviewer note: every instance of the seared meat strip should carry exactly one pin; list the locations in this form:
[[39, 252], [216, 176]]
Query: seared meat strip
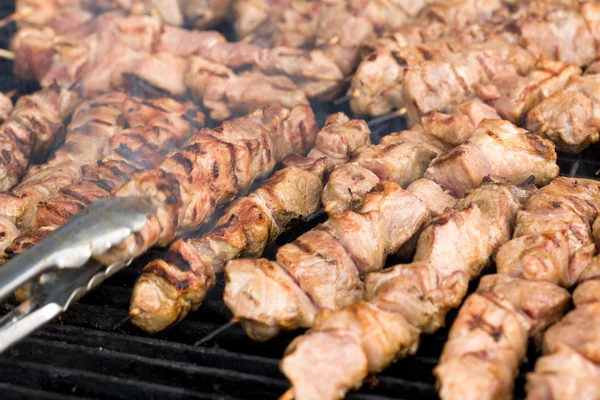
[[551, 246], [55, 191], [571, 117], [156, 127], [211, 169], [34, 126], [404, 300], [352, 243], [498, 148], [87, 139], [169, 288]]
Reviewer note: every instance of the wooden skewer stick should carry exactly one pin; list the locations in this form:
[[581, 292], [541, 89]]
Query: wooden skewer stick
[[217, 331], [7, 54], [16, 16], [387, 117], [288, 395]]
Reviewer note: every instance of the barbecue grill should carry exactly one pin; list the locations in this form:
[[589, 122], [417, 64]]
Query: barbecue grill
[[93, 351]]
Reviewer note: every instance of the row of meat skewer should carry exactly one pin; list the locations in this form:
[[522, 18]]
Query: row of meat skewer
[[454, 189]]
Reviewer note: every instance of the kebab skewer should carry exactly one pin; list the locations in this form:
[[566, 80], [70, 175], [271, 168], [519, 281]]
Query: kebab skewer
[[32, 128], [169, 288], [250, 300], [99, 119], [404, 300], [568, 368], [573, 35], [156, 127], [201, 14], [199, 61], [551, 246], [166, 291]]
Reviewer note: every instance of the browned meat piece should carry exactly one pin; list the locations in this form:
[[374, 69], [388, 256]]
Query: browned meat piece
[[457, 126], [346, 246], [155, 127], [488, 340], [551, 246], [170, 288], [451, 79], [596, 233], [570, 117], [402, 157], [496, 148], [34, 126], [377, 85], [226, 94], [402, 301], [514, 96], [99, 119], [6, 107]]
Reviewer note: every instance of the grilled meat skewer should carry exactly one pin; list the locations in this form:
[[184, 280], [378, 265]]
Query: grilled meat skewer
[[198, 61], [551, 246], [154, 128], [572, 29], [406, 211], [568, 368], [404, 300], [31, 130], [212, 168], [202, 14], [169, 288]]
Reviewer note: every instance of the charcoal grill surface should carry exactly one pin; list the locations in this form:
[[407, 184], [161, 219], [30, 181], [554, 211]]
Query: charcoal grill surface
[[94, 352]]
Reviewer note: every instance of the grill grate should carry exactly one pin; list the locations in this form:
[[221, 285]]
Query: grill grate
[[94, 352]]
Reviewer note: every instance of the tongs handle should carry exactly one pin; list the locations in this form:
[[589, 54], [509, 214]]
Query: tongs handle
[[92, 232]]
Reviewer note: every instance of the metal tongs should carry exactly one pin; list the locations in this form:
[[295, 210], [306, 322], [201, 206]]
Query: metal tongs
[[62, 269]]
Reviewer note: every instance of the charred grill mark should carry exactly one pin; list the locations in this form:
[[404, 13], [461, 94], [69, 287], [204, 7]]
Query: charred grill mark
[[117, 172], [7, 156], [183, 161], [156, 268], [104, 184], [190, 119], [176, 259], [76, 196], [100, 122]]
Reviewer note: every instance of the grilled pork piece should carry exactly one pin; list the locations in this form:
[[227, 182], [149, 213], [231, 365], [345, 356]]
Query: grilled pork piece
[[32, 129], [137, 149], [170, 288], [402, 157], [570, 117], [551, 246], [446, 78], [63, 187], [442, 28], [569, 368], [405, 300], [499, 148], [211, 169], [269, 301], [452, 79], [514, 95], [202, 14]]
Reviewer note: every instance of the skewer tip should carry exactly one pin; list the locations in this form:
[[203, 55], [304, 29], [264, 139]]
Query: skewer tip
[[288, 395], [217, 331], [7, 54], [16, 16]]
